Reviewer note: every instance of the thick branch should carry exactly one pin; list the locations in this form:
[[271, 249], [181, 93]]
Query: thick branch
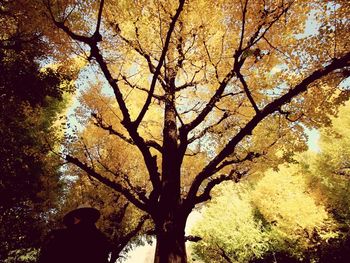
[[115, 186], [233, 175], [273, 106], [193, 238], [92, 41]]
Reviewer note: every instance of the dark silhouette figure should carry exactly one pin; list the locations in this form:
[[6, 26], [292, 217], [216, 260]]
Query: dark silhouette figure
[[80, 242]]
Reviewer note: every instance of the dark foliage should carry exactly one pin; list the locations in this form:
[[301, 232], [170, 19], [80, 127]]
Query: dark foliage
[[29, 102]]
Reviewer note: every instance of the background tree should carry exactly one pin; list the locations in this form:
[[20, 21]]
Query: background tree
[[231, 80], [327, 173], [30, 100], [299, 212], [229, 229], [278, 218]]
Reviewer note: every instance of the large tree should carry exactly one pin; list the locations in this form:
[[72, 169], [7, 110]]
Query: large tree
[[233, 81]]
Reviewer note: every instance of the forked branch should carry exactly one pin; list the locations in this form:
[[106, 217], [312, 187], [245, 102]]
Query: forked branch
[[92, 42], [270, 108], [160, 63]]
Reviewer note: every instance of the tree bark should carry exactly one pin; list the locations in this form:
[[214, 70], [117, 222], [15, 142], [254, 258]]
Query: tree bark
[[170, 247], [169, 217]]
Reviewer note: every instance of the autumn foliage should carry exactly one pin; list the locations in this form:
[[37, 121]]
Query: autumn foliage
[[189, 94]]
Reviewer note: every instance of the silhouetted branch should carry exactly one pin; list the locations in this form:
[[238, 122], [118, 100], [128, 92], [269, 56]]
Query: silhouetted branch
[[185, 129], [134, 86], [99, 17], [92, 41], [101, 124], [205, 196], [273, 106], [160, 64], [249, 157], [193, 238], [224, 255], [244, 12], [114, 185], [209, 128], [288, 113], [247, 91], [123, 241]]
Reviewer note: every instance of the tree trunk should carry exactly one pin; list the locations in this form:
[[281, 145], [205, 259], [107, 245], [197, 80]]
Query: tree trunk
[[169, 217], [170, 246]]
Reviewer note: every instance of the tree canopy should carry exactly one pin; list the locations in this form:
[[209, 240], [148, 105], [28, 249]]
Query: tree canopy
[[200, 92], [233, 81]]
